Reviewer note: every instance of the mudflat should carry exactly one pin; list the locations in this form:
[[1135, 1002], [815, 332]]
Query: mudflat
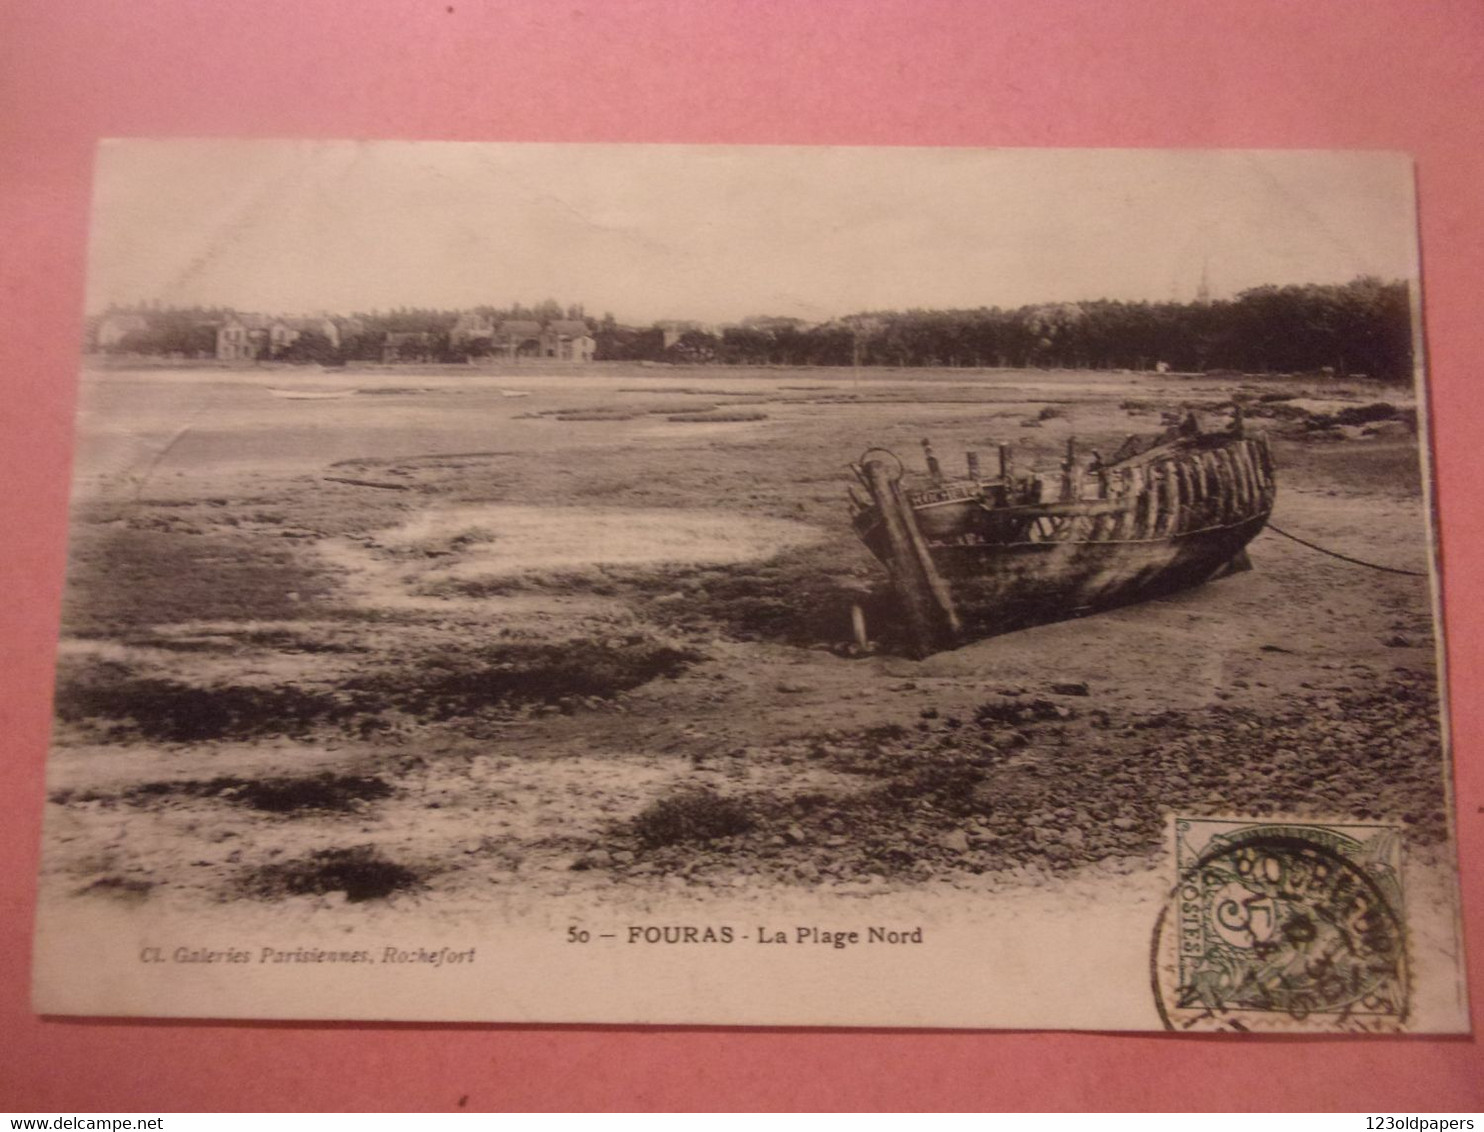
[[447, 637]]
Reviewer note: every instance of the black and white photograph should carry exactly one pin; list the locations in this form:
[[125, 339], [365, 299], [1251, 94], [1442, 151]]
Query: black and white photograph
[[752, 585]]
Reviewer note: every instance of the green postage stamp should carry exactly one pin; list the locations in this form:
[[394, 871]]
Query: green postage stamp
[[1283, 926]]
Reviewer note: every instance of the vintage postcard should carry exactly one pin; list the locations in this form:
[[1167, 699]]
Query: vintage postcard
[[727, 585]]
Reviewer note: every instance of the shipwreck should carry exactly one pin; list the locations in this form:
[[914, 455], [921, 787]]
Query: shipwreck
[[984, 554]]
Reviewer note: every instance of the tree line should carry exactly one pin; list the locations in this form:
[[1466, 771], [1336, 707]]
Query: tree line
[[1359, 328], [1363, 327]]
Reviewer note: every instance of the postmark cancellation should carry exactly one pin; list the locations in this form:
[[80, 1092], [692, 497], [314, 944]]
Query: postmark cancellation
[[1283, 927]]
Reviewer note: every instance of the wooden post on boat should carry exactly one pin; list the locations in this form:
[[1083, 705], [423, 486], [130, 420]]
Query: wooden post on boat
[[1156, 493], [1071, 475], [1185, 484], [1244, 482], [930, 612], [1007, 464], [973, 461], [1232, 460], [1220, 490], [1265, 463], [1170, 490], [1213, 512], [1227, 478], [1143, 481], [1149, 516], [934, 469], [1247, 477], [1265, 451]]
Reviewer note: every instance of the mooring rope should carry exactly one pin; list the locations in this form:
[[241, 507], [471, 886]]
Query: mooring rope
[[1345, 557]]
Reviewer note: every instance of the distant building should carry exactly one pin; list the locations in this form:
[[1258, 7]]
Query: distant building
[[242, 337], [248, 337], [568, 340], [560, 339], [281, 333], [471, 328], [518, 338]]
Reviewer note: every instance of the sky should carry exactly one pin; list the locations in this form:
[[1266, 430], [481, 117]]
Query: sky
[[717, 233]]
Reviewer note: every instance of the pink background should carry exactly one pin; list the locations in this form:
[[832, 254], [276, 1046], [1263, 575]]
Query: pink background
[[1392, 74]]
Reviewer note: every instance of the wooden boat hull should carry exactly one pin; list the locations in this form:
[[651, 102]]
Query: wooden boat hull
[[969, 559], [999, 588]]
